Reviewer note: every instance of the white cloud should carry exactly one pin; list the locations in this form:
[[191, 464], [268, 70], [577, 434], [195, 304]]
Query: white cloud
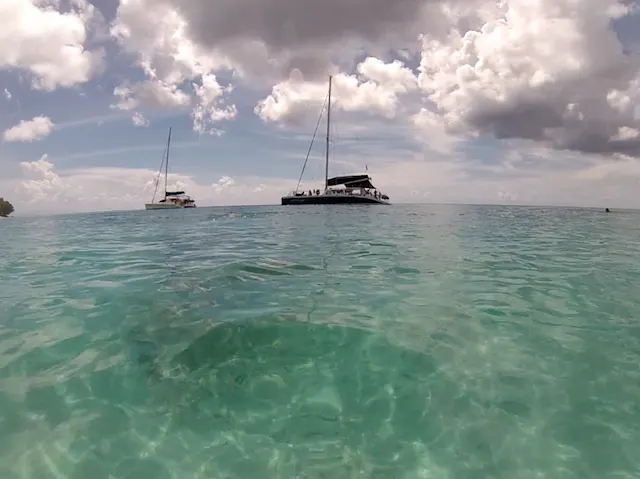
[[431, 131], [7, 94], [545, 74], [156, 35], [626, 133], [152, 94], [43, 188], [210, 109], [42, 182], [139, 120], [269, 39], [49, 44], [224, 183], [553, 71], [394, 76], [560, 181], [376, 88], [46, 189], [29, 130]]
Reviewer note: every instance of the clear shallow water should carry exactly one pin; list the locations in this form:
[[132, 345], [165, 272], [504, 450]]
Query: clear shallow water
[[337, 342]]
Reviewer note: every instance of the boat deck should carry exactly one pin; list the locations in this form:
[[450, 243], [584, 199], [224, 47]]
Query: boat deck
[[332, 199]]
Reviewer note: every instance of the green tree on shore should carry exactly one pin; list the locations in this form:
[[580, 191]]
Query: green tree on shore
[[6, 208]]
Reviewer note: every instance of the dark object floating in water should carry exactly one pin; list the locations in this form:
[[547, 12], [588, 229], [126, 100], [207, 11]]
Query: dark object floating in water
[[607, 210]]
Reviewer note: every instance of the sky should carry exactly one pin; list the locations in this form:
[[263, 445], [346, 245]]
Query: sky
[[463, 101]]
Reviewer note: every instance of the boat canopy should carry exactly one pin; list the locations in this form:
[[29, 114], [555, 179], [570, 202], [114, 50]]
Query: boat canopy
[[175, 193], [352, 181]]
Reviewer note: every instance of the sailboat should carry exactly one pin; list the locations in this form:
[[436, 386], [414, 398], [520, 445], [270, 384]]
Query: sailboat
[[352, 189], [172, 199]]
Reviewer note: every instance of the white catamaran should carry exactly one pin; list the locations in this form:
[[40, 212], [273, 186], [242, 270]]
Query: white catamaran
[[352, 189], [172, 199]]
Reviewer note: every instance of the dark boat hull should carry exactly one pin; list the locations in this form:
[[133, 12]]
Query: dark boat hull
[[332, 200]]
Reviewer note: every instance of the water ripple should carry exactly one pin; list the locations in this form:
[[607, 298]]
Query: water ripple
[[408, 342]]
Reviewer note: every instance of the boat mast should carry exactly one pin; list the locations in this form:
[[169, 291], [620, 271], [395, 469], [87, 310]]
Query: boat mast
[[326, 166], [166, 166]]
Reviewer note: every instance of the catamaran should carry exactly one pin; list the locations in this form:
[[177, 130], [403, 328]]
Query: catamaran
[[172, 199], [352, 189]]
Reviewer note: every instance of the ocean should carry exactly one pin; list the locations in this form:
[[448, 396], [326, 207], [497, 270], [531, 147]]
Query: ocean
[[410, 341]]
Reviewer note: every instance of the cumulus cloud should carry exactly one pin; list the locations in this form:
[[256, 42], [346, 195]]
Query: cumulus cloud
[[138, 119], [432, 131], [210, 108], [550, 74], [286, 23], [224, 183], [29, 130], [552, 71], [377, 88], [566, 179], [153, 94], [45, 188], [155, 34], [39, 38], [273, 37], [42, 182], [570, 180], [7, 95]]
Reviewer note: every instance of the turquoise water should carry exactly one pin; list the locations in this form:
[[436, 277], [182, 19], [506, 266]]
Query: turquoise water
[[321, 342]]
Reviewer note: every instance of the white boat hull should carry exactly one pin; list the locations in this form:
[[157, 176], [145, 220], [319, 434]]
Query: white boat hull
[[164, 206], [333, 199]]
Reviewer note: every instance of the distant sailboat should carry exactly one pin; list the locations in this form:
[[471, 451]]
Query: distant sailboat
[[172, 199], [352, 189]]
